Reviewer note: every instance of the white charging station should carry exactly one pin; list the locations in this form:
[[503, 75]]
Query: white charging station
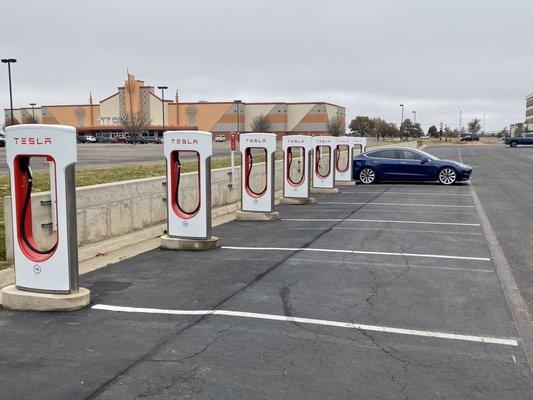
[[344, 160], [360, 141], [188, 206], [323, 164], [39, 271], [257, 176], [297, 150]]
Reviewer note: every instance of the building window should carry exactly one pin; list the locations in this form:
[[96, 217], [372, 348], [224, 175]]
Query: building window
[[191, 115]]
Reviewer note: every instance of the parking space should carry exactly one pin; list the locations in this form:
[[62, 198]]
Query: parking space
[[381, 292]]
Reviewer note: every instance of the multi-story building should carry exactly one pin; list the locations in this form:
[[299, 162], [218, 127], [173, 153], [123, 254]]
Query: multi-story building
[[136, 99], [529, 111]]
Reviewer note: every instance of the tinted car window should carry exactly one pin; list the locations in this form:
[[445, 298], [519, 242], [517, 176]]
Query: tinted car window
[[410, 155], [391, 153]]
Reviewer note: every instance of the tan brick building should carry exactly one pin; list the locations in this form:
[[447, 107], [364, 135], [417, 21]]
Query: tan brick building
[[106, 117]]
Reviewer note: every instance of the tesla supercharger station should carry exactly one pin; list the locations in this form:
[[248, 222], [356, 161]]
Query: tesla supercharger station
[[257, 176], [188, 204], [360, 141], [323, 164], [297, 150], [43, 272], [344, 160]]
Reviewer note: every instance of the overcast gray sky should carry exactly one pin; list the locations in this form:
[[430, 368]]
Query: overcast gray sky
[[435, 56]]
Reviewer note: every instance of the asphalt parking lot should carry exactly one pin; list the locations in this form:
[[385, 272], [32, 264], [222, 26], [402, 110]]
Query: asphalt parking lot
[[378, 292]]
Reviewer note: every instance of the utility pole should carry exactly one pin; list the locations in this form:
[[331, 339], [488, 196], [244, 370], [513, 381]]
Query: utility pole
[[33, 111], [163, 103], [237, 103], [460, 121], [401, 124], [414, 117], [483, 133], [10, 61]]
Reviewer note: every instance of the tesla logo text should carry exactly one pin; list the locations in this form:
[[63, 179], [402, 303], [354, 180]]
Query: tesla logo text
[[297, 141], [256, 140], [184, 141], [33, 141]]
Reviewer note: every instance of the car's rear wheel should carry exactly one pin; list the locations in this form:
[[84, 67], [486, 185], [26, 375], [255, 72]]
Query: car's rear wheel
[[367, 176], [513, 144], [447, 176]]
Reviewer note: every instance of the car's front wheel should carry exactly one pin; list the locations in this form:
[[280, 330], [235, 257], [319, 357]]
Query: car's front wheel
[[367, 176], [447, 176], [513, 144]]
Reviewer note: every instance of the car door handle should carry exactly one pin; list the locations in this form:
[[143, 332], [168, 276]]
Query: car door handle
[[403, 162]]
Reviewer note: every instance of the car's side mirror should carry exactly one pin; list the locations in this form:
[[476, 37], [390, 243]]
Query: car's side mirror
[[424, 160]]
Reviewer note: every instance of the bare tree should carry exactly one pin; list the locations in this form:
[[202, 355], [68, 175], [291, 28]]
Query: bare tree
[[260, 124], [334, 127], [474, 126], [135, 125]]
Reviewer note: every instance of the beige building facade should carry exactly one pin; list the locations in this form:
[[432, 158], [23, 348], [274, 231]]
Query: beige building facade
[[135, 98]]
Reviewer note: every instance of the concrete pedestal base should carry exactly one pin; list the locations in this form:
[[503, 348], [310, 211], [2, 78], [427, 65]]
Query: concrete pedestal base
[[345, 183], [176, 243], [256, 216], [297, 201], [15, 299], [324, 190]]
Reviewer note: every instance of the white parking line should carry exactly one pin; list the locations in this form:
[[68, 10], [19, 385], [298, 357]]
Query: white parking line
[[398, 211], [377, 220], [397, 204], [377, 253], [389, 265], [312, 321], [408, 193], [393, 230]]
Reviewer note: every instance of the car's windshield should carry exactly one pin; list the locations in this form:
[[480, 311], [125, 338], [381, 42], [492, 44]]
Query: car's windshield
[[430, 156]]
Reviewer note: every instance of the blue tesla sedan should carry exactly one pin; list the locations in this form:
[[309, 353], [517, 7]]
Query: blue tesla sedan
[[405, 164]]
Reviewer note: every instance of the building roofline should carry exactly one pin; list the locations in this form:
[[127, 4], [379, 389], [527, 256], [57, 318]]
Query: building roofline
[[262, 102], [108, 97]]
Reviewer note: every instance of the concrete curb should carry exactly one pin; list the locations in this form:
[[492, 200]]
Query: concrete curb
[[325, 190], [347, 183], [297, 201], [256, 216], [21, 300], [175, 243]]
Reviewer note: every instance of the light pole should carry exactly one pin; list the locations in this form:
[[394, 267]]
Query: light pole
[[9, 61], [163, 103], [460, 121], [414, 117], [483, 133], [401, 125], [237, 103], [33, 111]]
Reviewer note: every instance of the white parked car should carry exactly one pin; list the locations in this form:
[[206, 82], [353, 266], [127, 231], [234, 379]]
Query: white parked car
[[220, 138], [90, 139]]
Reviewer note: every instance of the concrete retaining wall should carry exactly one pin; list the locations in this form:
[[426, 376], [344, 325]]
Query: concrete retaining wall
[[111, 210]]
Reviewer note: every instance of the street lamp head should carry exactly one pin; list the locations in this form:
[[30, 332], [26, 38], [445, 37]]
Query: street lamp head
[[401, 105], [8, 60], [162, 87], [33, 104], [237, 101]]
